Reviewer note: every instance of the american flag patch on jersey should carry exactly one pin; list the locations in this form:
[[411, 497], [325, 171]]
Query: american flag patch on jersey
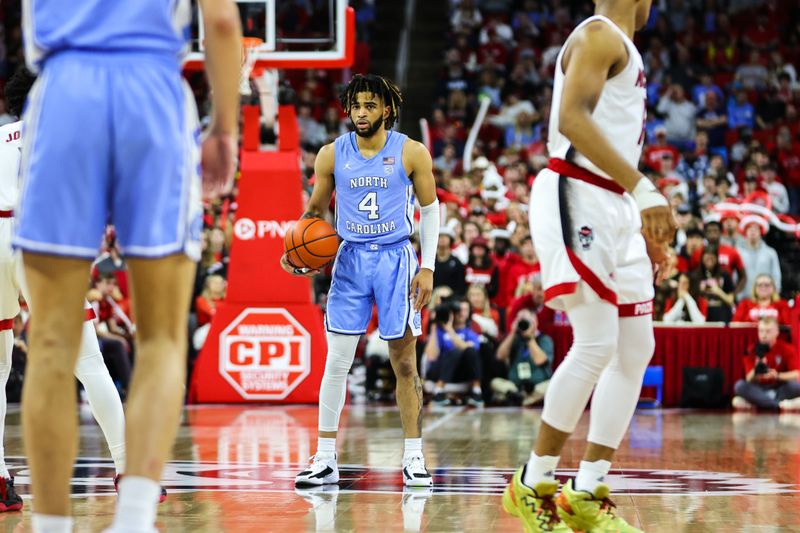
[[388, 160]]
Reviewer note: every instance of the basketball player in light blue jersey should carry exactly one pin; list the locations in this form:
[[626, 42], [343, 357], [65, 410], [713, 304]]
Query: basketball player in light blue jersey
[[112, 135], [376, 172]]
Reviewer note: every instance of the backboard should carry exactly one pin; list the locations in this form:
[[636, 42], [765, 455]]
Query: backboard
[[321, 35]]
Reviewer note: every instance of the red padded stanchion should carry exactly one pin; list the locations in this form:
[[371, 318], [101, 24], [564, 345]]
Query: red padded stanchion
[[266, 342]]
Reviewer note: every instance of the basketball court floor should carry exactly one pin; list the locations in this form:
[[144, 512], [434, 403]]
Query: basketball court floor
[[678, 471]]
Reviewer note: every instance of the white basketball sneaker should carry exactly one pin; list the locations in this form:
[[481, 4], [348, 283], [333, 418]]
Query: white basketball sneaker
[[321, 470], [414, 472]]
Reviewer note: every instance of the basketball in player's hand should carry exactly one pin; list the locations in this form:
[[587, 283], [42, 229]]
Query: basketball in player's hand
[[311, 243]]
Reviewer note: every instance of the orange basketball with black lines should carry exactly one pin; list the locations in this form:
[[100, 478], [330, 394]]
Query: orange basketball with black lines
[[311, 243]]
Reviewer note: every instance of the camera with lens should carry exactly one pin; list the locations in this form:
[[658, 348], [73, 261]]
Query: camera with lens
[[523, 325], [761, 350], [444, 311]]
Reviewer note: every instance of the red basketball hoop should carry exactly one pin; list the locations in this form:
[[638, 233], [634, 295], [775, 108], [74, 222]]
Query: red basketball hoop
[[250, 49]]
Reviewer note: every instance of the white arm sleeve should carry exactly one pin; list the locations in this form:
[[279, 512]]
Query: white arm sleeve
[[429, 234], [647, 196]]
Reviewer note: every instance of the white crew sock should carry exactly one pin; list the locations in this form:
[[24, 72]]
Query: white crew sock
[[591, 474], [540, 469], [136, 504], [413, 448], [326, 446], [47, 523]]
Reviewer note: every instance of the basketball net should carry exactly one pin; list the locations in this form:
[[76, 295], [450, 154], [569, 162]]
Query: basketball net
[[250, 48]]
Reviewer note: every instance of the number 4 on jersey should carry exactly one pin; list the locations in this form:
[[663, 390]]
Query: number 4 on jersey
[[369, 204]]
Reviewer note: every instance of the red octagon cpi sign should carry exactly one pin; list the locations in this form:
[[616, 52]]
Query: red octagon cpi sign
[[264, 353]]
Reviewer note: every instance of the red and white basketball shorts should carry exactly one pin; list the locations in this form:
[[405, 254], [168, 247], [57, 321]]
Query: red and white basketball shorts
[[12, 284], [587, 228], [9, 289]]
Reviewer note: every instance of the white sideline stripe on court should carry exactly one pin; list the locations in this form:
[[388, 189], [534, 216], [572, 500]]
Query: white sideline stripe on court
[[433, 426]]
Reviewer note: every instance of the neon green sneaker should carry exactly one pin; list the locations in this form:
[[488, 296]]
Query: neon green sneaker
[[585, 511], [536, 506]]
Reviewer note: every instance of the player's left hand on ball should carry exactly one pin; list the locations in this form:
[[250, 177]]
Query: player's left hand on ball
[[291, 269], [218, 163], [421, 288]]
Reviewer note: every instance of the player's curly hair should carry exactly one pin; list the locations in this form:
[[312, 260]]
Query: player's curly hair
[[17, 90], [377, 85]]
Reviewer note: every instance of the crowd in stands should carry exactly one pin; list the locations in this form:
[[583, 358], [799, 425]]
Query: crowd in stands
[[722, 136], [721, 143]]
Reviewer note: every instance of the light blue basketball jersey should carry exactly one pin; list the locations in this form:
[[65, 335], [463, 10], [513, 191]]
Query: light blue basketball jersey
[[374, 197], [152, 26]]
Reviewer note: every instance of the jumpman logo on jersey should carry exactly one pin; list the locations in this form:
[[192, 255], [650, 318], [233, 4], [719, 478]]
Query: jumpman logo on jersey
[[347, 166]]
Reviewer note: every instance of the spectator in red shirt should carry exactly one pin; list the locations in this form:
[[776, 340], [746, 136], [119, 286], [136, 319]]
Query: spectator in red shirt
[[765, 302], [112, 308], [494, 51], [771, 372], [686, 305], [496, 203], [654, 154], [527, 265], [505, 259], [761, 35], [730, 229], [206, 303], [728, 257], [480, 269], [694, 242], [532, 298], [485, 318], [110, 260]]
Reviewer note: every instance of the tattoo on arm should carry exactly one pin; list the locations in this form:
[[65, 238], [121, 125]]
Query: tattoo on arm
[[418, 390], [311, 214]]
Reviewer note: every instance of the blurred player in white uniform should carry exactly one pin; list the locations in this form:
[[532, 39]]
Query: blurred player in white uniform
[[9, 292], [112, 134], [90, 369], [594, 219]]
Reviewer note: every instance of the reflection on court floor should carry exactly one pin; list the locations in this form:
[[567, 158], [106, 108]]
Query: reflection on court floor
[[93, 477], [234, 468]]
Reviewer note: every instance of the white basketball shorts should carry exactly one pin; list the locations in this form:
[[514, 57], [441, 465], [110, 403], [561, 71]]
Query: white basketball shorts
[[586, 228]]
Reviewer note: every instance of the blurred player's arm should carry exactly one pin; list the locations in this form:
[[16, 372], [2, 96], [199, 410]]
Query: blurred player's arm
[[323, 183], [592, 56], [417, 159], [223, 41]]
